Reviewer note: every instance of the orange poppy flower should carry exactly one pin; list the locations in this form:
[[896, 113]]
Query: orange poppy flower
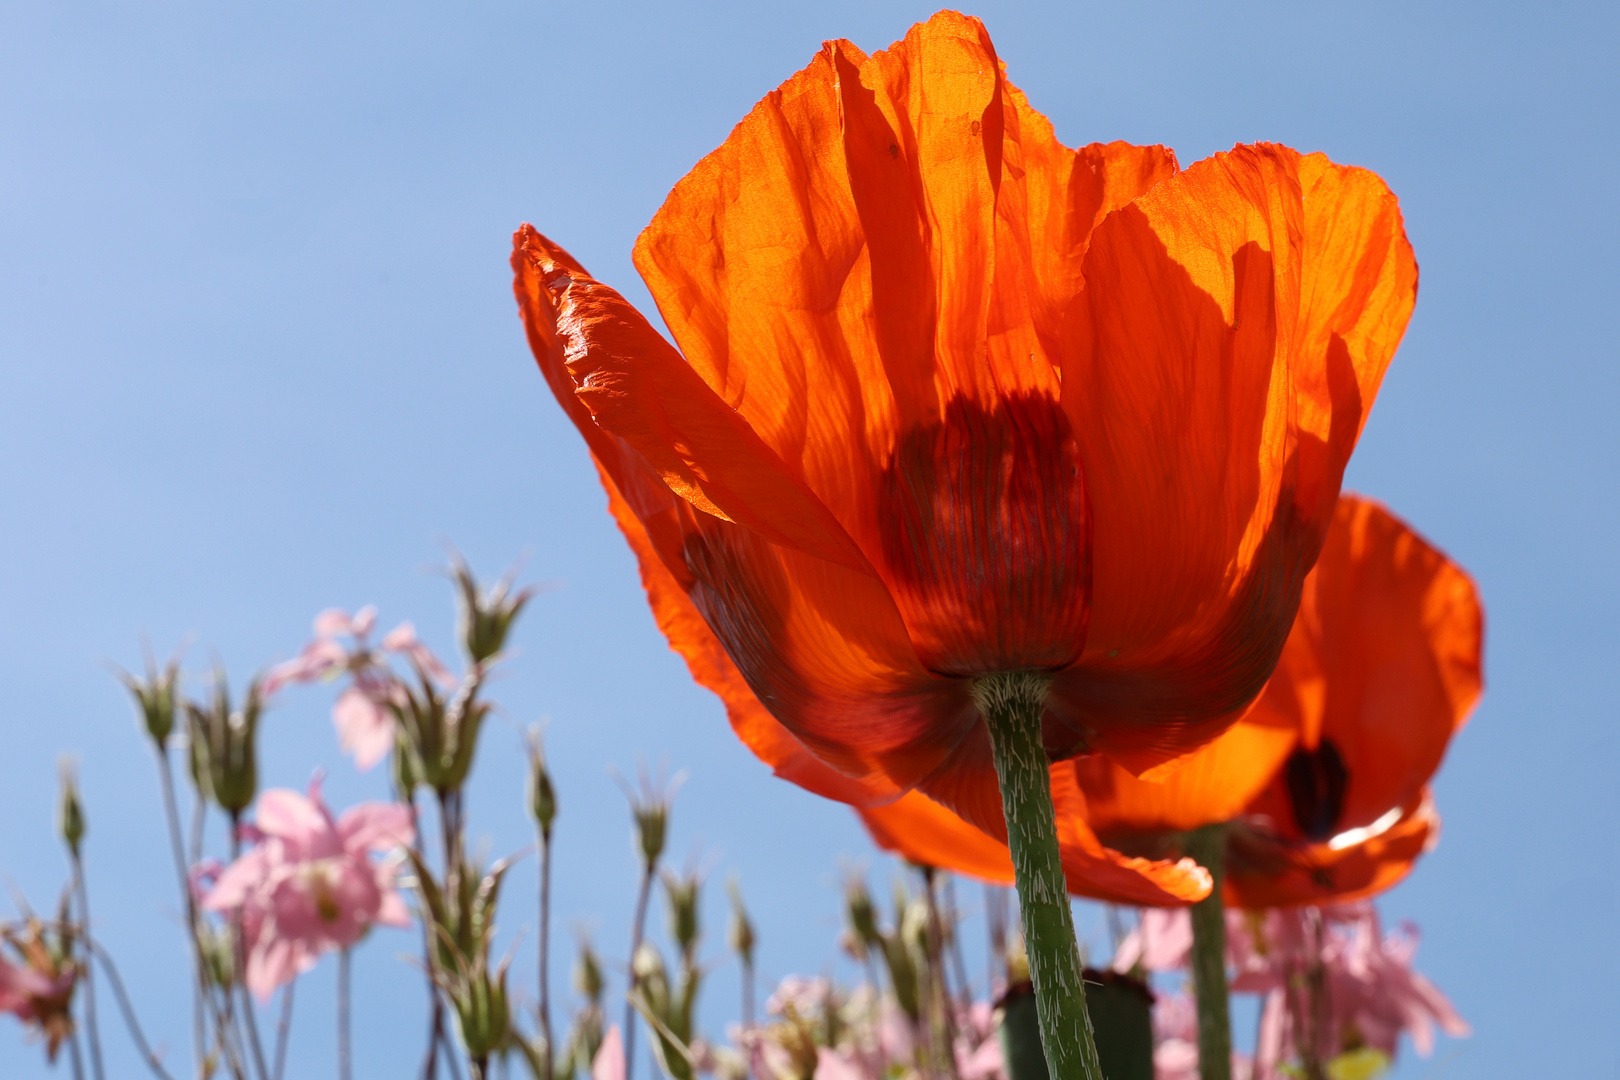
[[954, 400], [1325, 780]]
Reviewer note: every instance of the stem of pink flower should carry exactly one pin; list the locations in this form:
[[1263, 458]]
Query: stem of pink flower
[[343, 1014], [636, 929], [1207, 847], [284, 1027], [92, 1034], [545, 950], [1011, 704], [250, 1018]]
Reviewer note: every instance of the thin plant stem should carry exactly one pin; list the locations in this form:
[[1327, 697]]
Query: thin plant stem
[[1207, 846], [344, 1069], [937, 976], [92, 1034], [198, 986], [1316, 1002], [964, 985], [75, 1055], [119, 995], [747, 985], [636, 928], [250, 1019], [545, 950], [1011, 704], [430, 1061], [995, 908], [284, 1028]]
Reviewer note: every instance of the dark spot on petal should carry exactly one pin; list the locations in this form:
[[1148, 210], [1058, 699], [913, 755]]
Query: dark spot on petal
[[1316, 782]]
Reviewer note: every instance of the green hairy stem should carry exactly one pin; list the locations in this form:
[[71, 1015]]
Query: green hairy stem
[[1011, 705]]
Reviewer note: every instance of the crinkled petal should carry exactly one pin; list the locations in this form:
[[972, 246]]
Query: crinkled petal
[[365, 729], [376, 826], [1220, 380], [925, 832]]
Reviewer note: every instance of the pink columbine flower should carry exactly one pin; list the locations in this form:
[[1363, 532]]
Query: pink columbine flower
[[1373, 993], [364, 724], [309, 884]]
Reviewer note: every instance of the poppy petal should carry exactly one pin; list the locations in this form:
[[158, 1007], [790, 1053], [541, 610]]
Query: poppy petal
[[1383, 666], [1265, 872], [1199, 348], [1212, 784], [821, 644], [638, 387], [874, 270], [925, 832], [691, 637]]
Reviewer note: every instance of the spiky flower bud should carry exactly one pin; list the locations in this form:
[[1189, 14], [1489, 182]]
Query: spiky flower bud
[[682, 894], [484, 618], [156, 698], [542, 795], [740, 931], [588, 974], [71, 814], [651, 978], [861, 914], [224, 746]]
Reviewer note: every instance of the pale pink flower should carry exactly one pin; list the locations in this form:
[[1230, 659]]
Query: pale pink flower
[[402, 639], [1372, 992], [608, 1064], [361, 715], [309, 884], [1161, 941], [22, 988]]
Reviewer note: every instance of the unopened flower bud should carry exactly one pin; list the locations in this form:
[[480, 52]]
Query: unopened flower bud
[[652, 821], [484, 618], [861, 914], [588, 974], [156, 698], [651, 979], [682, 894], [224, 746], [71, 816], [914, 925], [542, 795], [740, 931]]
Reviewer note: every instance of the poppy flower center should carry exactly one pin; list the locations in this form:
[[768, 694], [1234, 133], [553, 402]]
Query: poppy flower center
[[986, 537], [1316, 781]]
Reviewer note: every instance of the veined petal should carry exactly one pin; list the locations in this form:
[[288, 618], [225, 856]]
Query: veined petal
[[691, 637], [927, 833], [1381, 669], [1265, 871], [640, 389], [1214, 414], [874, 271], [1212, 784]]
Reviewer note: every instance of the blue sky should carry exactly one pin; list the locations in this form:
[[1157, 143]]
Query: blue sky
[[259, 356]]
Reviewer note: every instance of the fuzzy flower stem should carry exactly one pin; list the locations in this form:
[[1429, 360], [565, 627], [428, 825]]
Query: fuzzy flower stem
[[1207, 846], [1011, 704]]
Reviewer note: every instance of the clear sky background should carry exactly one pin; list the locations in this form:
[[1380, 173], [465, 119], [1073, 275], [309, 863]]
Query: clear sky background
[[259, 356]]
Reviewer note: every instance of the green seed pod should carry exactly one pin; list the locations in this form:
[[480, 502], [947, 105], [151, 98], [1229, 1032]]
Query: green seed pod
[[542, 794], [70, 820], [740, 931]]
